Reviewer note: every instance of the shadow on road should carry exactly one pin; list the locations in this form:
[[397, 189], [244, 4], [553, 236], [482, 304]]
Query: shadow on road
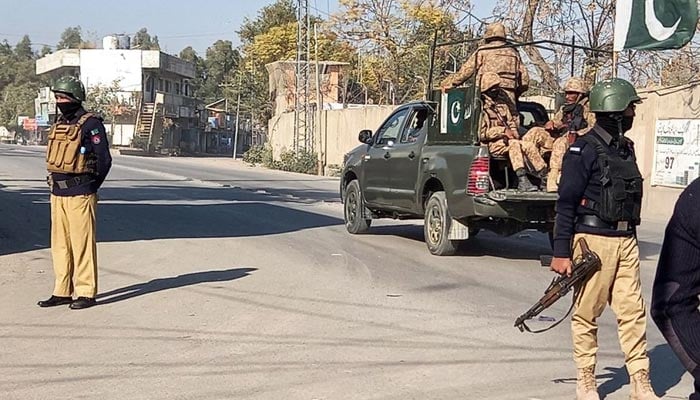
[[160, 284], [525, 246], [666, 372], [157, 212]]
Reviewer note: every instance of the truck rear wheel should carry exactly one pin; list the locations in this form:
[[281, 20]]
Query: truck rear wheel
[[352, 206], [437, 226]]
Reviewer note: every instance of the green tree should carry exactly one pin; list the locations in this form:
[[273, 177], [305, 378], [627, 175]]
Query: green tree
[[45, 50], [189, 54], [71, 38], [220, 63], [18, 81], [17, 100], [106, 100], [23, 49], [5, 49], [143, 40], [276, 14], [396, 38]]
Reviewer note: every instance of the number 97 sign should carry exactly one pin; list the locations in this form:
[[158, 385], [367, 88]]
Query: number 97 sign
[[676, 152]]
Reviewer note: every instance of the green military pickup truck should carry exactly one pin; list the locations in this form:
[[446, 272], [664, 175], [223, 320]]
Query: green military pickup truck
[[425, 162]]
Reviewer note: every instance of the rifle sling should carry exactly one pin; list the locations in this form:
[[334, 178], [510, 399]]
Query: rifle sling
[[571, 308]]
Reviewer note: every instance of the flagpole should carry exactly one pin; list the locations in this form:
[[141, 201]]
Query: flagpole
[[615, 54]]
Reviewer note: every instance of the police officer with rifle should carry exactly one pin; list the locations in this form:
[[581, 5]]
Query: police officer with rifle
[[600, 198]]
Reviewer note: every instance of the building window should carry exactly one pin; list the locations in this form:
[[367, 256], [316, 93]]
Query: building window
[[160, 85], [177, 88], [167, 86], [187, 89]]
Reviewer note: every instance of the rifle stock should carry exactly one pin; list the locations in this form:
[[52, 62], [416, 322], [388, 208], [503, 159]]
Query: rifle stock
[[583, 266]]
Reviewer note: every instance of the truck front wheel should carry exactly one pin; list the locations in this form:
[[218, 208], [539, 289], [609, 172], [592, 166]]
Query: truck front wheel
[[352, 206], [437, 226]]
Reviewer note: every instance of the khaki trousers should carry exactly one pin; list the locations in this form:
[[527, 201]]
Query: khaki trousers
[[617, 283], [73, 246]]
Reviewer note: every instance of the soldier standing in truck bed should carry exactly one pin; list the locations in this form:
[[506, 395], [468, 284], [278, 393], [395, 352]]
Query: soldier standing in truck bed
[[494, 56]]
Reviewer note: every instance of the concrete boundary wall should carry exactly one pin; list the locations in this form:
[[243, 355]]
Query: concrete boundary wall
[[338, 131], [663, 103]]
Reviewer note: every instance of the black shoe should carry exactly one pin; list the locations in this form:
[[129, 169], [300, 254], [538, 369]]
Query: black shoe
[[54, 301], [82, 302]]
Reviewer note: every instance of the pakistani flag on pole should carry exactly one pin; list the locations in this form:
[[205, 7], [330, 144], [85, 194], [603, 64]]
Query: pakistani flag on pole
[[654, 24]]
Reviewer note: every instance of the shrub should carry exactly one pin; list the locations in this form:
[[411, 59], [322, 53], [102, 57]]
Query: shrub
[[258, 154], [302, 161]]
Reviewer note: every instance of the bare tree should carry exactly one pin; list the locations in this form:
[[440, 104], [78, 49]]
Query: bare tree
[[589, 23]]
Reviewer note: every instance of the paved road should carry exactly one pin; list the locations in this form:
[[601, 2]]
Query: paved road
[[222, 281]]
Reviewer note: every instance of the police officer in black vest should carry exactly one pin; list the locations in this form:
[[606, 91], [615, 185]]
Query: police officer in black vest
[[600, 198], [78, 160]]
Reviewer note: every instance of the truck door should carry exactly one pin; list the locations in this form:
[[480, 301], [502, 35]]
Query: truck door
[[376, 176], [405, 161]]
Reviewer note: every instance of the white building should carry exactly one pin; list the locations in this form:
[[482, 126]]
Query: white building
[[158, 112]]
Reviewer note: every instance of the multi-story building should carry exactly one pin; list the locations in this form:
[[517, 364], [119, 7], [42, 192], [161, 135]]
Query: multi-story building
[[151, 102]]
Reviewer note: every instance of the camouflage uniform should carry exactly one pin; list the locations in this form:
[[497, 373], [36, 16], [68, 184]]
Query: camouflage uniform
[[541, 138], [562, 143], [496, 119], [493, 57]]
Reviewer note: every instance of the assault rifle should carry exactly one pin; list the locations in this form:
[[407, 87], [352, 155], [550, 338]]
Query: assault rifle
[[583, 266]]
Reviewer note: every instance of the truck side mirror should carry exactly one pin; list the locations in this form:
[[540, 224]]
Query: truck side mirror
[[365, 136]]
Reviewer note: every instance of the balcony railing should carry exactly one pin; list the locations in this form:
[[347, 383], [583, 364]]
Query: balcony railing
[[177, 106]]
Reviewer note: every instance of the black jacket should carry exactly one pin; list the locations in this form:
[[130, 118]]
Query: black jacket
[[674, 305]]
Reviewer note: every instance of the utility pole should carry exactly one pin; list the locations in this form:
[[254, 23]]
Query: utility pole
[[238, 110], [303, 130], [319, 109]]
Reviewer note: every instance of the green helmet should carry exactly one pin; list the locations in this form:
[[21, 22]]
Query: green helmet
[[71, 86], [612, 95]]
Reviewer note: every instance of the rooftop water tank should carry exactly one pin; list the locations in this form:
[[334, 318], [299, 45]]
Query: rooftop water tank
[[123, 41], [110, 42]]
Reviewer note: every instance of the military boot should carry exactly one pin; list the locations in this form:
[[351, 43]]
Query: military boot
[[524, 184], [543, 175], [641, 387], [586, 388]]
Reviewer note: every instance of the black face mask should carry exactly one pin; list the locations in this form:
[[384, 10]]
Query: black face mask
[[627, 123], [68, 109], [611, 123]]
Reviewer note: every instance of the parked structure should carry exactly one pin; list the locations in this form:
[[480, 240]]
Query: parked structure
[[153, 107]]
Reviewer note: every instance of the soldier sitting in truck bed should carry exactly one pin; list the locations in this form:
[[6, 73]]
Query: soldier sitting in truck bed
[[573, 119], [498, 129]]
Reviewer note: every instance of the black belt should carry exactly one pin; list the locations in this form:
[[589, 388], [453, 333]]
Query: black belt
[[73, 182], [595, 222]]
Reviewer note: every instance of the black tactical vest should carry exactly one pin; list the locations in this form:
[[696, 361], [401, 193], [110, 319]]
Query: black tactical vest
[[621, 182]]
